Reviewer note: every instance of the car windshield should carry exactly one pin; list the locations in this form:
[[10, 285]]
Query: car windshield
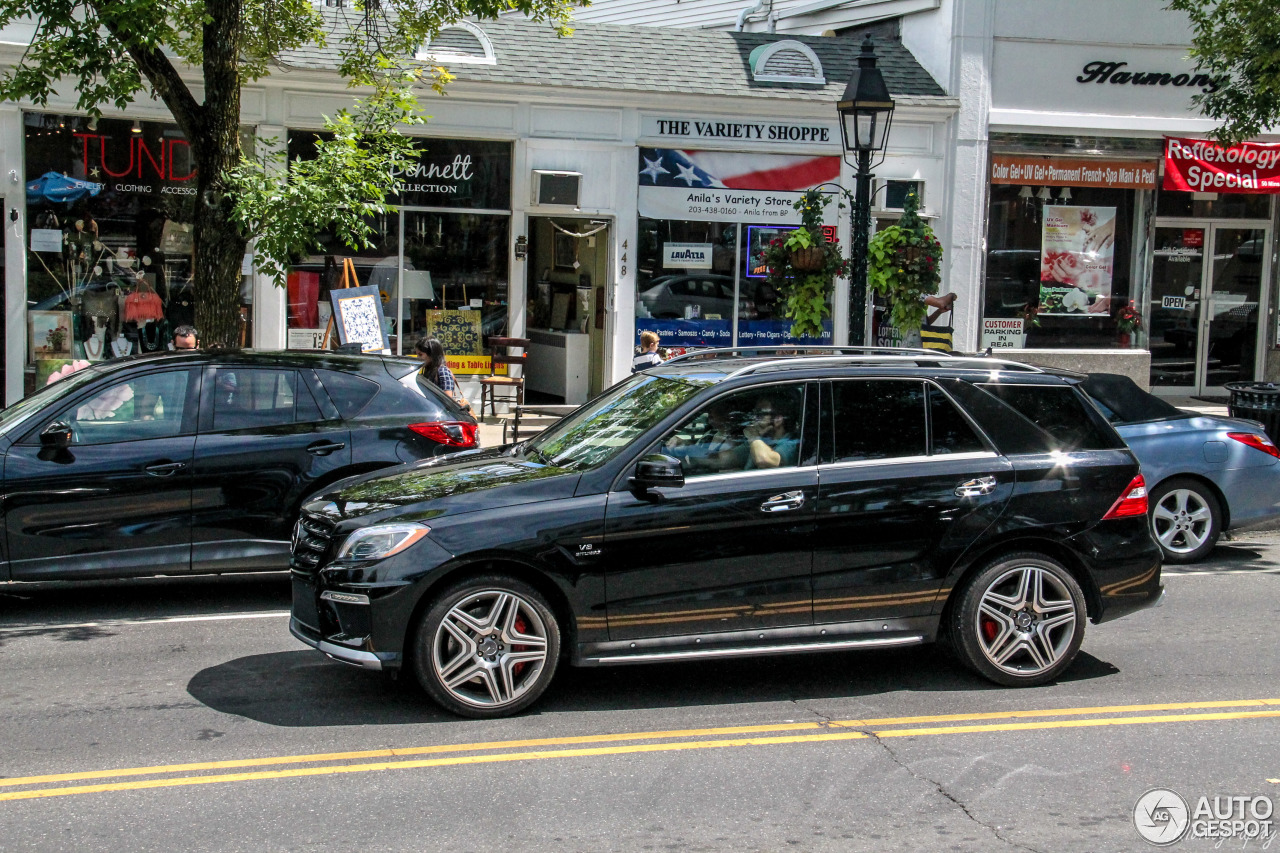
[[16, 415], [607, 425]]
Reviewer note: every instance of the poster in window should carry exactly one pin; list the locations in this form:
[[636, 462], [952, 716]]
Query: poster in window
[[357, 312], [1077, 252], [564, 251], [50, 334], [460, 334]]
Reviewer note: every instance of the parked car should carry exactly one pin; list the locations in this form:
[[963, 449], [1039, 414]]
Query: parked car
[[677, 296], [198, 462], [719, 506], [1206, 474]]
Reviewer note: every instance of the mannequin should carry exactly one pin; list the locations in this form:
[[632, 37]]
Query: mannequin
[[95, 343]]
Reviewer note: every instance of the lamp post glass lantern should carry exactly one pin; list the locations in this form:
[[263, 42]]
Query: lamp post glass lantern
[[866, 113]]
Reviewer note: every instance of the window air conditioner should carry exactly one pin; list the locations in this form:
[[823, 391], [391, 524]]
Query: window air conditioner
[[556, 188]]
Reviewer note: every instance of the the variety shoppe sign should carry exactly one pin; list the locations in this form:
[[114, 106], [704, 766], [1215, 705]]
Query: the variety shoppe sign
[[1199, 165]]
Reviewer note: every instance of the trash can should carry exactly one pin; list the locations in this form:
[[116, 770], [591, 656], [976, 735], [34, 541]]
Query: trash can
[[1257, 401]]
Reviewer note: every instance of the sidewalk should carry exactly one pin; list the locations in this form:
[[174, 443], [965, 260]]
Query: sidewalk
[[1192, 404]]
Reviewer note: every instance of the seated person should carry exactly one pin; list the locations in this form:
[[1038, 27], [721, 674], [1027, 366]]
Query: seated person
[[772, 442], [718, 444]]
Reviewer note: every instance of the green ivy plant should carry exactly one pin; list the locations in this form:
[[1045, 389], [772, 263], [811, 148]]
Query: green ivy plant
[[805, 293], [904, 263]]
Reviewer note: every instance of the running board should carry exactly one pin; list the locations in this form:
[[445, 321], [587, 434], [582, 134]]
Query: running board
[[751, 651]]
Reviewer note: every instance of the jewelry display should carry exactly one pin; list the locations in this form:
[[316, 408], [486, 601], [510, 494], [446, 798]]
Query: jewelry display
[[92, 352], [121, 346]]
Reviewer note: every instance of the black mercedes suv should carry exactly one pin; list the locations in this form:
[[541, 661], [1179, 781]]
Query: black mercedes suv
[[738, 503]]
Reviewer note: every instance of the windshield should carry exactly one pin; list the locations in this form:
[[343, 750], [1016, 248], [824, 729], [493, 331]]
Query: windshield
[[607, 425], [17, 414]]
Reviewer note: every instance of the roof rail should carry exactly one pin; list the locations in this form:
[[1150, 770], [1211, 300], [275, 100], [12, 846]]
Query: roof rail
[[890, 361], [798, 351]]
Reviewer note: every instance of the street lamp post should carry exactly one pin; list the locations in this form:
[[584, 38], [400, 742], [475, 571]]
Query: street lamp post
[[866, 111]]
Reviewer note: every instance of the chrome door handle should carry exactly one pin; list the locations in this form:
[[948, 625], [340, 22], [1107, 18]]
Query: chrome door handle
[[976, 487], [164, 469], [783, 502]]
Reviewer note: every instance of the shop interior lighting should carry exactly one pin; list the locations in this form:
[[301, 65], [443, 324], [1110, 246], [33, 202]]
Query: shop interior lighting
[[1025, 192], [1044, 194], [1065, 195], [137, 126]]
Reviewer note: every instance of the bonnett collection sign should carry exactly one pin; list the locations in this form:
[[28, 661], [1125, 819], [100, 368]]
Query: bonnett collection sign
[[1201, 165]]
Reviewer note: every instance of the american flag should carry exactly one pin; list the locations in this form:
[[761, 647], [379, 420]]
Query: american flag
[[669, 167]]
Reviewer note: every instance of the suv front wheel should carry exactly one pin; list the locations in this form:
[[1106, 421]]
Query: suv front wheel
[[487, 647], [1020, 621]]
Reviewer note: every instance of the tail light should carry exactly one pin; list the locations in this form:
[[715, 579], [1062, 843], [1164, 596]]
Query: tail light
[[1132, 502], [1257, 442], [448, 433]]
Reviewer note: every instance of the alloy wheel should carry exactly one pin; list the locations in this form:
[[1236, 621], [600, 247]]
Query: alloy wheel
[[1182, 521], [490, 649], [1026, 621]]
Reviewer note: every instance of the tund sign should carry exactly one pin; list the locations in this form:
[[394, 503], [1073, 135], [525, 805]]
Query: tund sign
[[689, 256]]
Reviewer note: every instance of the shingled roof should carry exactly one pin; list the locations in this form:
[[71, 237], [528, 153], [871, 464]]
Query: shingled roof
[[610, 57]]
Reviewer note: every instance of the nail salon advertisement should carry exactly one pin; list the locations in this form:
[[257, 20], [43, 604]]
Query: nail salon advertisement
[[1077, 252]]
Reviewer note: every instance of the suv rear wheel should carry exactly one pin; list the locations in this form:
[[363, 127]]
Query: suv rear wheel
[[1020, 621], [487, 647]]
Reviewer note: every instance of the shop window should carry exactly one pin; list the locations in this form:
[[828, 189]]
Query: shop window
[[1059, 264], [1213, 205], [895, 194], [440, 273], [110, 204]]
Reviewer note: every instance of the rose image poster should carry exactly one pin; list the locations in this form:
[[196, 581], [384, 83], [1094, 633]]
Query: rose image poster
[[1077, 251]]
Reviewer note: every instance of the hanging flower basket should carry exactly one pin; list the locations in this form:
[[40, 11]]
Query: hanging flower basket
[[911, 253], [808, 260]]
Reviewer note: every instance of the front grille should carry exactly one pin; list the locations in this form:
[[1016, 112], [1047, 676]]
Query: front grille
[[312, 537]]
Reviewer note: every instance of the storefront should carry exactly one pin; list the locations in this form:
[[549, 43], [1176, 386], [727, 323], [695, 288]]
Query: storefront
[[575, 213], [440, 262], [1115, 237], [109, 246]]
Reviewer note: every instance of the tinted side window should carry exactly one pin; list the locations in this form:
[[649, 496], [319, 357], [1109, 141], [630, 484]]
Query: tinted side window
[[878, 419], [1060, 412], [149, 406], [350, 393], [249, 398], [748, 430], [306, 410], [949, 432]]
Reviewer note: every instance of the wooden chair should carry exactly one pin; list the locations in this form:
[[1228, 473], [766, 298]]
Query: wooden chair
[[500, 350]]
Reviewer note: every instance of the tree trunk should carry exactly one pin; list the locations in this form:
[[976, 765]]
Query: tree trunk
[[219, 247]]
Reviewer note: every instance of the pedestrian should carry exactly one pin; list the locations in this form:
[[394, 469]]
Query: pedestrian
[[648, 356], [436, 371], [185, 337]]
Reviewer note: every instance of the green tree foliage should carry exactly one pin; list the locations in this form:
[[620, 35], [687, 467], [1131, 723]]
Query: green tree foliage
[[802, 267], [1237, 43], [195, 55]]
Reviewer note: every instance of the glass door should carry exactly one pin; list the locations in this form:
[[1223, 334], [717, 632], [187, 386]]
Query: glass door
[[1206, 294]]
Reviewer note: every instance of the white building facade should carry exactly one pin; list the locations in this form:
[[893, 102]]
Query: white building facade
[[1067, 111], [571, 191]]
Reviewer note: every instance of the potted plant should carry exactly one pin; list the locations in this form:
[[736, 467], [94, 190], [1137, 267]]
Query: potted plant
[[1128, 321], [904, 265], [55, 338], [802, 266]]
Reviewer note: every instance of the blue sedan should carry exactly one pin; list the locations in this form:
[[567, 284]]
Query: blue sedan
[[1205, 474]]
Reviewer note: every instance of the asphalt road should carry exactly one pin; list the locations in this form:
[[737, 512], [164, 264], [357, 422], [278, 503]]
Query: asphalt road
[[166, 715]]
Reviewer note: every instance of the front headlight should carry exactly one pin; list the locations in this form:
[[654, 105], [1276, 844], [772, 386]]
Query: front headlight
[[381, 541]]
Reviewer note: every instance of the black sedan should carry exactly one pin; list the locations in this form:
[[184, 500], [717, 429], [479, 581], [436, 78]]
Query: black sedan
[[198, 462]]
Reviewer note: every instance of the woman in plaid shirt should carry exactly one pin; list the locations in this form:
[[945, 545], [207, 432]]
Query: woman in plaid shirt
[[435, 370]]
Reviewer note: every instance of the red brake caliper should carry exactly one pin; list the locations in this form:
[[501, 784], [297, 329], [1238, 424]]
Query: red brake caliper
[[522, 627], [990, 629]]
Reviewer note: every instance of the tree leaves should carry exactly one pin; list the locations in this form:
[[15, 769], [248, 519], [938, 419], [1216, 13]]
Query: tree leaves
[[1237, 43]]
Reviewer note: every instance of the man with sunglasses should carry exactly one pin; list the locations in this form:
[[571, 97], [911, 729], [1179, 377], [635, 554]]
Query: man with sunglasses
[[770, 442]]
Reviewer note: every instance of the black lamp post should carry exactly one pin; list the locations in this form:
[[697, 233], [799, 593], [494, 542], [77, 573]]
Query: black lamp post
[[866, 111]]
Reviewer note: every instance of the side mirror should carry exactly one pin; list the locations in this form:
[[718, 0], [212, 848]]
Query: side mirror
[[657, 470], [56, 436]]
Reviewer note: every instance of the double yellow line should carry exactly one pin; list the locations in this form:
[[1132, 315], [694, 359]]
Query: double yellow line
[[488, 752]]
